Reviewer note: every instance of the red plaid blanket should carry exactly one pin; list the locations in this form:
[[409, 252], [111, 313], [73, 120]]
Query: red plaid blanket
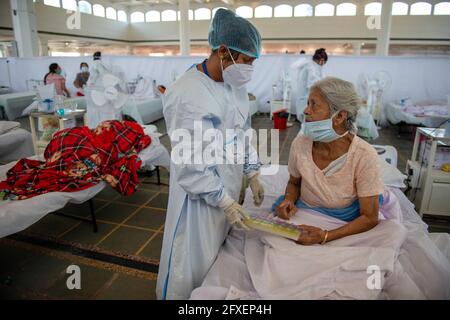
[[79, 158]]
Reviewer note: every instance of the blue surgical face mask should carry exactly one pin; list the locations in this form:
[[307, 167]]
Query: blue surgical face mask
[[321, 131], [84, 69]]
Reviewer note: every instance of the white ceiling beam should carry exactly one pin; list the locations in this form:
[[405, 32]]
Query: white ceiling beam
[[228, 2]]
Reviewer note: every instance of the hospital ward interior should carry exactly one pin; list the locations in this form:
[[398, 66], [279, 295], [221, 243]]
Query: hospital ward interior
[[224, 150]]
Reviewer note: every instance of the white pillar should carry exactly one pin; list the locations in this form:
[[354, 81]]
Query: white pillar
[[25, 29], [356, 48], [385, 32], [185, 47], [43, 44], [130, 50]]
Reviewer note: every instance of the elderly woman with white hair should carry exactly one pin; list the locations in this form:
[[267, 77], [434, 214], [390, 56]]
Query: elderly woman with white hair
[[332, 170]]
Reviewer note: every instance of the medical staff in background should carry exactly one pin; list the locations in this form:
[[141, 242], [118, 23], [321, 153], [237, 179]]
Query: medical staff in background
[[305, 74], [203, 197]]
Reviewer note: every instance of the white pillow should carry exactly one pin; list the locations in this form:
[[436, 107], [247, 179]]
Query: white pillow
[[391, 176], [7, 126]]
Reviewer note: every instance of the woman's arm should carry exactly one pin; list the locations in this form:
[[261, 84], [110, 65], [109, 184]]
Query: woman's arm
[[287, 207], [77, 82], [367, 220], [65, 89], [292, 191]]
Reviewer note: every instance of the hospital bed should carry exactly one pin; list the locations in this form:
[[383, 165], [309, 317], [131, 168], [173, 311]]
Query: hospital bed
[[421, 114], [413, 263], [254, 107], [15, 143], [13, 104], [146, 110], [16, 216]]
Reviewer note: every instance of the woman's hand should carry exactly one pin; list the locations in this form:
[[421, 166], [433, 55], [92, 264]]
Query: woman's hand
[[286, 209], [311, 235]]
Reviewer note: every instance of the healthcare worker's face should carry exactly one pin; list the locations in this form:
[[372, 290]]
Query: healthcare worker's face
[[239, 58], [318, 109], [320, 62]]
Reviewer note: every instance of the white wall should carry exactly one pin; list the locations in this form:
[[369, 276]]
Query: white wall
[[409, 27]]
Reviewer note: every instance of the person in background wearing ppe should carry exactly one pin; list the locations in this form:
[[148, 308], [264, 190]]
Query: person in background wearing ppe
[[203, 197], [331, 169], [98, 68], [82, 78], [54, 77], [306, 75]]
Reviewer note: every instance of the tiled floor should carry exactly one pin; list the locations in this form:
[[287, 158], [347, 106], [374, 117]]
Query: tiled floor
[[130, 229]]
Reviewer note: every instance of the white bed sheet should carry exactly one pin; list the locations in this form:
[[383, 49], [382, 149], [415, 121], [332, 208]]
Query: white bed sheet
[[16, 216], [14, 103], [414, 264], [16, 144], [395, 114]]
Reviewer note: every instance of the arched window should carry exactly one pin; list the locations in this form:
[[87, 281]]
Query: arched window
[[122, 16], [215, 10], [399, 9], [202, 14], [153, 16], [137, 16], [346, 9], [442, 8], [263, 12], [111, 13], [303, 10], [245, 12], [85, 7], [98, 10], [420, 9], [70, 5], [372, 9], [324, 10], [53, 3], [168, 15], [283, 11]]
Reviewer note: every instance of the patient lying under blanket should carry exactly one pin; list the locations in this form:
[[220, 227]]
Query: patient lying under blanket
[[78, 158]]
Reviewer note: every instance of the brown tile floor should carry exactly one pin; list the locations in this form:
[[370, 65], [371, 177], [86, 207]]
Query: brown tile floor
[[128, 226]]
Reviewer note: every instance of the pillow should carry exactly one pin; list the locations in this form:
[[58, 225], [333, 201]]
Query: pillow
[[7, 126]]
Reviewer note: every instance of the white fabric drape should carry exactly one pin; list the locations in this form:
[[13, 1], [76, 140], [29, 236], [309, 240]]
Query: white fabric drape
[[419, 77]]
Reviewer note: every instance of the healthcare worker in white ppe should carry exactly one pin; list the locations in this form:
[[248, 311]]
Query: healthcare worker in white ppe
[[203, 196], [306, 75]]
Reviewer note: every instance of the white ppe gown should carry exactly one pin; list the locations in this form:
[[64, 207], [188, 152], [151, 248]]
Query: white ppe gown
[[195, 226], [307, 74]]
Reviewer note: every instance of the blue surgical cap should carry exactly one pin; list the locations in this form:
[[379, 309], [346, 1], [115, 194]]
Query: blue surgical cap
[[235, 32]]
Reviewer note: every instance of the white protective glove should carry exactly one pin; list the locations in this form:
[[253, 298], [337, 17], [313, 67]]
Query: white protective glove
[[256, 187], [234, 212]]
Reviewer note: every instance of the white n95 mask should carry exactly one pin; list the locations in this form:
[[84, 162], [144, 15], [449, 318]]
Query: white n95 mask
[[238, 74], [321, 131]]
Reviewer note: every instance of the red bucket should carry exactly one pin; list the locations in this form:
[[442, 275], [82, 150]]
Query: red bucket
[[278, 122]]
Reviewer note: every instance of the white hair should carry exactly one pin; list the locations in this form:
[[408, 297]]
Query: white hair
[[341, 96]]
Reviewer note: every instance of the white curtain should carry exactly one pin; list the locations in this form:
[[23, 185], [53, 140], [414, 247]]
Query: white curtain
[[420, 78]]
